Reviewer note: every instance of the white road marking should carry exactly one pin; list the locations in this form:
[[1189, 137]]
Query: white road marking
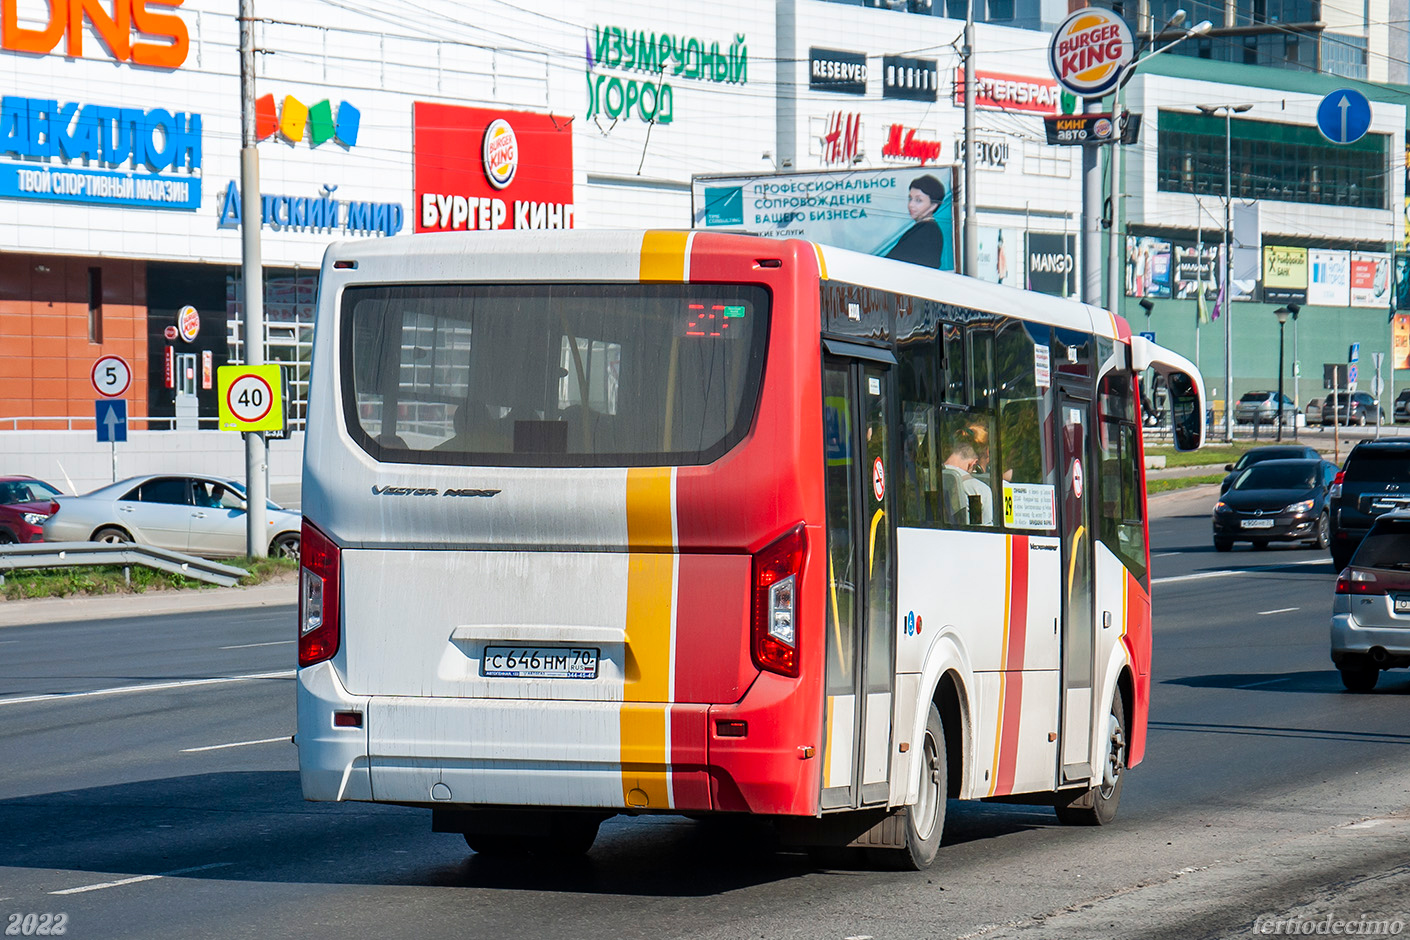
[[149, 687], [250, 646], [1230, 572], [133, 881], [1254, 685], [1280, 610], [1166, 554], [217, 747]]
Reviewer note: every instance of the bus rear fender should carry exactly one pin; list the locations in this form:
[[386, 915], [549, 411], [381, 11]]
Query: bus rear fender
[[946, 680]]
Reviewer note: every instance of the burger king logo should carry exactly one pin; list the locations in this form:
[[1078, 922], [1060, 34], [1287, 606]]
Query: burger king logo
[[501, 153], [1088, 51], [188, 322]]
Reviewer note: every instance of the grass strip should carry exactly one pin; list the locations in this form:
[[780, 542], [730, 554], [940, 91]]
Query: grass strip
[[26, 583], [1180, 483]]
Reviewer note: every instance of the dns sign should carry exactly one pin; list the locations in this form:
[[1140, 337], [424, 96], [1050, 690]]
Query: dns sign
[[136, 31]]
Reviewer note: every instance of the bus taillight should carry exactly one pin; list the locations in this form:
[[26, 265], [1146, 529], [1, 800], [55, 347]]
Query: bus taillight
[[318, 596], [774, 628]]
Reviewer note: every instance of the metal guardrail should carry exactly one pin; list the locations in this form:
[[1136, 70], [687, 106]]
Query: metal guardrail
[[78, 554]]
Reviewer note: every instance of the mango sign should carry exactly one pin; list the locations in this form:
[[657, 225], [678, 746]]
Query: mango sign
[[1088, 51]]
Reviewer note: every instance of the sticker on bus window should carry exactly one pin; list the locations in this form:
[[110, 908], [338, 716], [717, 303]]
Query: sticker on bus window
[[1030, 506], [1076, 478], [873, 385], [878, 479], [1042, 367]]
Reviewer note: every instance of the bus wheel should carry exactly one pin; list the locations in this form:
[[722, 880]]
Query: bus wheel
[[925, 819], [1097, 806]]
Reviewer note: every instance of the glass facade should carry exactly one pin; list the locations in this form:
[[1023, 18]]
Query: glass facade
[[1284, 162]]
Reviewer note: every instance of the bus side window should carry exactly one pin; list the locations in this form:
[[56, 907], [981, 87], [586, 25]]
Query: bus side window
[[918, 377], [1020, 425]]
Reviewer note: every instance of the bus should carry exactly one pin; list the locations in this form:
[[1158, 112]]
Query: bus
[[603, 523]]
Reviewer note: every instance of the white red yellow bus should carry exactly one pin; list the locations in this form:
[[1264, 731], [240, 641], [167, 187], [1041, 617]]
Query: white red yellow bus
[[663, 522]]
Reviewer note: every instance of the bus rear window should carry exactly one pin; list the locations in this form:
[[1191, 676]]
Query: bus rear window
[[552, 375]]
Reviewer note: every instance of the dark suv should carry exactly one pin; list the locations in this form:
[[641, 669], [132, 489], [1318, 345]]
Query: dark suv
[[1375, 480], [1354, 408], [1401, 412]]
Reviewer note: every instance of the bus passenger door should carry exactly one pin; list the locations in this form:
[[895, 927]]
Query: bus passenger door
[[1075, 502], [860, 599]]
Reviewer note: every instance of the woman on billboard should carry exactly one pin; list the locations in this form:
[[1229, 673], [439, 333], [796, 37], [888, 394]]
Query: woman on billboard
[[923, 242]]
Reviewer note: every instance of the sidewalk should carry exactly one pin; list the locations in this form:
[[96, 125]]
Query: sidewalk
[[278, 592]]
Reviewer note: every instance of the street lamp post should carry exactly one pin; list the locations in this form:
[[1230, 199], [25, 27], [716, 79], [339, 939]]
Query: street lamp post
[[1128, 72], [1282, 314], [1227, 292]]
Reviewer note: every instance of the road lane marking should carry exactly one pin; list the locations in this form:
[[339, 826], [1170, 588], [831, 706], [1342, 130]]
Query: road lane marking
[[1254, 685], [149, 687], [133, 881], [217, 747], [1230, 572], [1280, 610], [1166, 554], [250, 646]]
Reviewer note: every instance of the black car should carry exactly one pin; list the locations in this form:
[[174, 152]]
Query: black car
[[1354, 408], [1260, 454], [1400, 412], [1276, 500], [1375, 480]]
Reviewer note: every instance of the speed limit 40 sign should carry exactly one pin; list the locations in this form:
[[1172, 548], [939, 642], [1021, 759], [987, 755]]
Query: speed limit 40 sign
[[251, 398]]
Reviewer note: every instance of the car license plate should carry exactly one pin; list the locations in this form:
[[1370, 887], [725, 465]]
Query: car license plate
[[1402, 604], [540, 662], [1257, 523]]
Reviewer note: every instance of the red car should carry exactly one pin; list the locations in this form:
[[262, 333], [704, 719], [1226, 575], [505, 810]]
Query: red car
[[25, 505]]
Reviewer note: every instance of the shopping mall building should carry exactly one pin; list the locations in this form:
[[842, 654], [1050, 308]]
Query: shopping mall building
[[120, 221]]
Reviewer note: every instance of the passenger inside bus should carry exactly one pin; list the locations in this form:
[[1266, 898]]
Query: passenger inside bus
[[475, 431], [968, 499]]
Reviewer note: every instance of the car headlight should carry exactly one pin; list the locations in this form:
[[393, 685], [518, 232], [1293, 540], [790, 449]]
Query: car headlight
[[34, 518], [1221, 507], [1304, 506]]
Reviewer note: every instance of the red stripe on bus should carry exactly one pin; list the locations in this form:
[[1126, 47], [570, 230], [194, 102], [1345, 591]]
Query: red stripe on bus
[[689, 757], [1008, 750], [1018, 603], [1138, 646]]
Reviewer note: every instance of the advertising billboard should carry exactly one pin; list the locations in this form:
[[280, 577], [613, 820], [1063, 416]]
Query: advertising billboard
[[1149, 265], [999, 256], [1370, 279], [1194, 265], [1284, 275], [907, 214], [486, 168], [1329, 278]]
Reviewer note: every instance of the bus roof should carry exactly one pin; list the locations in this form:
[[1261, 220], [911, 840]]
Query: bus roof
[[612, 255]]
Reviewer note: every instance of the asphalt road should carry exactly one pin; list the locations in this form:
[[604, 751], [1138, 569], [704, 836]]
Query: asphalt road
[[173, 810]]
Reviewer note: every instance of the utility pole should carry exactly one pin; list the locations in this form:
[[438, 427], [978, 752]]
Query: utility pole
[[971, 81], [256, 460], [1091, 216]]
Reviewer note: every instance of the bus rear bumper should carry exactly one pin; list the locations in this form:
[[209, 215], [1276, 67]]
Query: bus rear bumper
[[626, 757], [332, 759]]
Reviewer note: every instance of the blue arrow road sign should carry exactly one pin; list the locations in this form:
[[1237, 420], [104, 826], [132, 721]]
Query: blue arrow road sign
[[1354, 354], [1344, 116], [111, 414]]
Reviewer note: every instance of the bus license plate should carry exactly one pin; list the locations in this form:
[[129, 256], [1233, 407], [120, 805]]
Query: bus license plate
[[540, 662], [1402, 603], [1258, 523]]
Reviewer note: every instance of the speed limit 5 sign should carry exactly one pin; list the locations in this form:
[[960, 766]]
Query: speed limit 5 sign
[[251, 398]]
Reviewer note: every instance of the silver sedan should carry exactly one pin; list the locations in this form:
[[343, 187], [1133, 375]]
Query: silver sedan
[[194, 513]]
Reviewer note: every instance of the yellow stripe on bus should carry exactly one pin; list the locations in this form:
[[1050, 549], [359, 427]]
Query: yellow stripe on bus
[[663, 256], [822, 262], [1003, 660], [650, 598], [827, 738]]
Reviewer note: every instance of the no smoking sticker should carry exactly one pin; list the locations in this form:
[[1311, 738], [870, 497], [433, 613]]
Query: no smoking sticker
[[1077, 478], [878, 479]]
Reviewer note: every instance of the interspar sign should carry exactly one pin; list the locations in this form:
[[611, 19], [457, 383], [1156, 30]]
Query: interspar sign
[[995, 91], [1088, 51], [478, 168]]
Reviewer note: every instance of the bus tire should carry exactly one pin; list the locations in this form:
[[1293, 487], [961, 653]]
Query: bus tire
[[1097, 806], [925, 819]]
